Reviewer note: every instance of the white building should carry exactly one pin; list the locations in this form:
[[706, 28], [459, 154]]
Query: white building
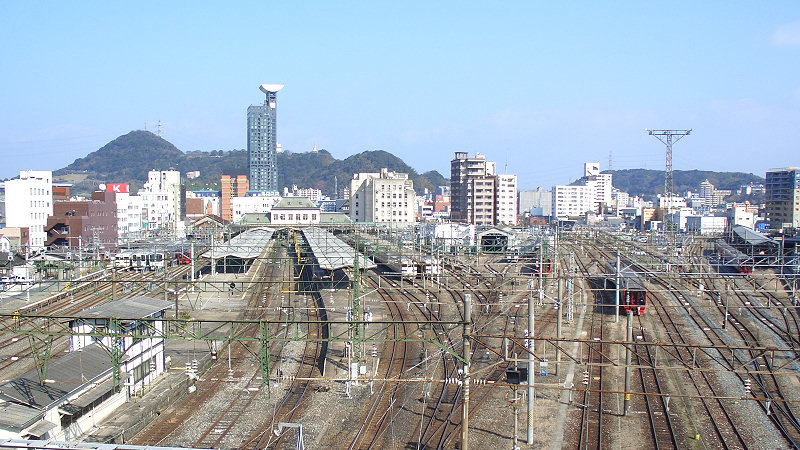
[[537, 203], [29, 201], [620, 199], [448, 237], [130, 214], [679, 217], [309, 193], [161, 195], [294, 211], [706, 224], [382, 198], [671, 202], [742, 215], [572, 201], [506, 199], [707, 193], [255, 204], [80, 391]]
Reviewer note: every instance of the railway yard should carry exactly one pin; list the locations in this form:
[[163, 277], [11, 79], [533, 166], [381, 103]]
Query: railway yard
[[328, 339]]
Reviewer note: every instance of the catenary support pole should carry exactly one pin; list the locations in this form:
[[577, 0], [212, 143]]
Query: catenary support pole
[[529, 438], [616, 292], [629, 339], [466, 380], [558, 317]]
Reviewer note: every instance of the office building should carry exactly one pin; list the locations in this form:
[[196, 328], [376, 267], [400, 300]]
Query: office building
[[782, 197], [262, 141]]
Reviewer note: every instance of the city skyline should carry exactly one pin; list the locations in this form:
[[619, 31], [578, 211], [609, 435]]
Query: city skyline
[[534, 87]]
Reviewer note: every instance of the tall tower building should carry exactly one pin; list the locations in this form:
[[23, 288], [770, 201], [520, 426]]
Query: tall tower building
[[262, 142]]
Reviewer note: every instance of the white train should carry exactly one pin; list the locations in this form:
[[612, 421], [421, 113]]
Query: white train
[[140, 260]]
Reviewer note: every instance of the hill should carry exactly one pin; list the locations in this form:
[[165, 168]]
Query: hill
[[128, 158], [644, 182]]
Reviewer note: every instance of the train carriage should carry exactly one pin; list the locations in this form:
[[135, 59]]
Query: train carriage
[[632, 293]]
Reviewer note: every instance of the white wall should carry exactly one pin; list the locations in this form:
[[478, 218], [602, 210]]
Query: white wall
[[29, 201]]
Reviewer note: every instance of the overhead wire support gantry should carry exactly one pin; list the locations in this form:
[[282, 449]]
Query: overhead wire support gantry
[[668, 137]]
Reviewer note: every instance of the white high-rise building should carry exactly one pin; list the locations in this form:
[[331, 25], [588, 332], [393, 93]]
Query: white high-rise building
[[29, 201], [622, 199], [506, 199], [572, 201], [382, 198], [161, 196]]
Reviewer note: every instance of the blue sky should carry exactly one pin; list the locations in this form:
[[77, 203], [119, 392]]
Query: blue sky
[[537, 88]]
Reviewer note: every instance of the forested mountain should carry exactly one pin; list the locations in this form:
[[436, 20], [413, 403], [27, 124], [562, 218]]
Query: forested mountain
[[646, 182], [128, 158]]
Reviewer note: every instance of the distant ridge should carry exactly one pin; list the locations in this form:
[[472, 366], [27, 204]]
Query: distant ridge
[[645, 182], [128, 158]]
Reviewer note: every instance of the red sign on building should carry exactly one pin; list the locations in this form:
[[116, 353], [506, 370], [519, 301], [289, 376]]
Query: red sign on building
[[119, 188]]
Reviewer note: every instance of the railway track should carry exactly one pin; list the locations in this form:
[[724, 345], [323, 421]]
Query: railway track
[[213, 431]]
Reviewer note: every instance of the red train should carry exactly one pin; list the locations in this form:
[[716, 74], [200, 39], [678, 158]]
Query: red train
[[181, 258], [632, 293]]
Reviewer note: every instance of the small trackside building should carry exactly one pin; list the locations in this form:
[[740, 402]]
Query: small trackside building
[[76, 391]]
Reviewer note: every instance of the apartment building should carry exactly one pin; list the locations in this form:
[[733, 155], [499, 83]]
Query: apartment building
[[231, 187], [161, 198], [29, 202], [478, 195], [383, 198]]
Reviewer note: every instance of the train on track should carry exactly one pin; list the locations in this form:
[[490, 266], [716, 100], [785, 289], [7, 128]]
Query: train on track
[[140, 260], [632, 293], [730, 260]]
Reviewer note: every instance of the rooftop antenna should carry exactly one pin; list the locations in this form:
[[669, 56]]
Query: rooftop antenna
[[668, 137]]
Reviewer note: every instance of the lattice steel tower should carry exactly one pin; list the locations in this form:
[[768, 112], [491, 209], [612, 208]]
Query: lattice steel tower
[[666, 136]]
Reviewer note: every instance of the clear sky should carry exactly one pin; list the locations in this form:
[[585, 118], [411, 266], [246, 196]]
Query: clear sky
[[535, 87]]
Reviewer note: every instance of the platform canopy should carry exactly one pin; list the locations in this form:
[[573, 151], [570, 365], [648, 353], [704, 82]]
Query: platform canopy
[[331, 252], [751, 237], [247, 245]]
